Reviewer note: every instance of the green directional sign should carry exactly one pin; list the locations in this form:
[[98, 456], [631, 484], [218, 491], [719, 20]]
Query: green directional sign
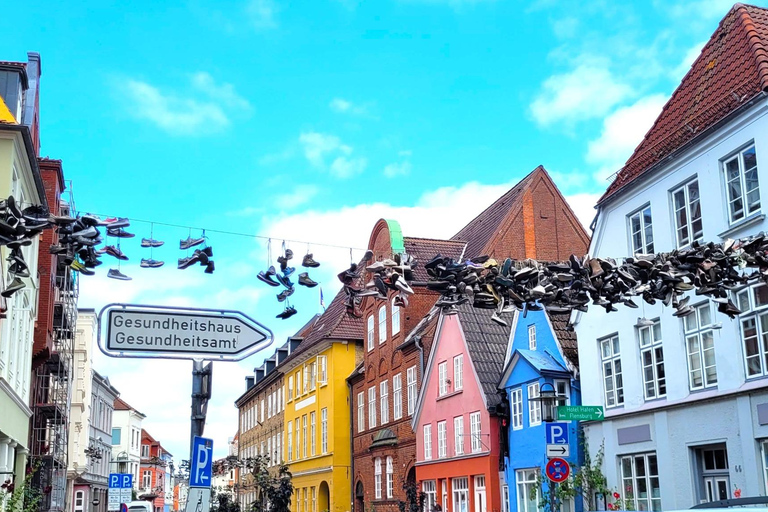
[[580, 412]]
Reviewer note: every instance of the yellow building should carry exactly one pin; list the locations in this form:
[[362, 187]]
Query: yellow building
[[317, 415]]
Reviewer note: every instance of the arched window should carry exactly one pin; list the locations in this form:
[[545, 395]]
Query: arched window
[[395, 318], [383, 324], [370, 332], [377, 476]]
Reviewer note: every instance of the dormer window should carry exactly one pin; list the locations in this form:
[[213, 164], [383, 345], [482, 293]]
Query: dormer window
[[532, 337]]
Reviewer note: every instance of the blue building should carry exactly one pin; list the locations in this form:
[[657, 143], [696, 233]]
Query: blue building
[[542, 352]]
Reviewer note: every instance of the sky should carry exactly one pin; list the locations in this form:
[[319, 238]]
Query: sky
[[308, 121]]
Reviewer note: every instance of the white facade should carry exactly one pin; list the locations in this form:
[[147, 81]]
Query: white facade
[[126, 442], [80, 410], [690, 422]]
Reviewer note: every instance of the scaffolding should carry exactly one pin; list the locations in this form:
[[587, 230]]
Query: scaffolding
[[52, 392]]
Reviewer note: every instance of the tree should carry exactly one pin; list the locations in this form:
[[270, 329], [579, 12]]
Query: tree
[[273, 492], [414, 499]]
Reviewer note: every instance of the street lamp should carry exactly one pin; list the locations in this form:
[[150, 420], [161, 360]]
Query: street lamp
[[548, 398]]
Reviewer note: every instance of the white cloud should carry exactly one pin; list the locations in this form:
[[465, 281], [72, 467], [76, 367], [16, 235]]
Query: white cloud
[[587, 92], [565, 28], [678, 72], [262, 14], [347, 107], [397, 169], [319, 145], [224, 93], [583, 205], [622, 131], [702, 9], [184, 114], [300, 195]]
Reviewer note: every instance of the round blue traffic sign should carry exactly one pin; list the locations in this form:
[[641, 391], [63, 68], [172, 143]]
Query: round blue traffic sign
[[558, 470]]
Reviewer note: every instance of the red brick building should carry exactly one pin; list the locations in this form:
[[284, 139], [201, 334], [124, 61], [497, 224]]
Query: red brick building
[[532, 220]]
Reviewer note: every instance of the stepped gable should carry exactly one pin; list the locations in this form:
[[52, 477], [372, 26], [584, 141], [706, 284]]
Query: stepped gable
[[731, 69]]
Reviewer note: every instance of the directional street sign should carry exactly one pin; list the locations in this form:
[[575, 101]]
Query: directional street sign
[[202, 462], [120, 487], [182, 333], [558, 450], [580, 412], [198, 499], [557, 433], [558, 470]]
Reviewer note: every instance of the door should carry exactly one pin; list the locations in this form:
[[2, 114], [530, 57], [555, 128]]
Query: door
[[716, 488], [460, 494], [480, 504]]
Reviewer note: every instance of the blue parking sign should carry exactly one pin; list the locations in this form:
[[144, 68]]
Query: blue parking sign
[[557, 433], [202, 462]]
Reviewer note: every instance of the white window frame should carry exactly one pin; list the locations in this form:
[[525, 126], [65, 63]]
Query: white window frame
[[460, 488], [427, 429], [361, 411], [395, 318], [458, 372], [397, 396], [505, 498], [298, 439], [290, 441], [476, 432], [534, 406], [652, 361], [382, 324], [372, 407], [612, 370], [516, 401], [312, 433], [740, 180], [532, 337], [458, 435], [698, 333], [640, 228], [526, 480], [384, 401], [304, 436], [390, 478], [377, 477], [442, 378], [685, 192], [322, 369], [324, 430], [442, 449], [371, 344], [629, 481], [753, 326], [429, 489], [411, 374]]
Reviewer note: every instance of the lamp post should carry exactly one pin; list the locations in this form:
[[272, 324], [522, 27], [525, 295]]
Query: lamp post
[[548, 399]]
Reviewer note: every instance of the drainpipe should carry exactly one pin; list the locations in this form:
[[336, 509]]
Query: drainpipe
[[420, 346], [351, 448]]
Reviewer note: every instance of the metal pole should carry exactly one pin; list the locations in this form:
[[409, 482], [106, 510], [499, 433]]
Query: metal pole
[[198, 423]]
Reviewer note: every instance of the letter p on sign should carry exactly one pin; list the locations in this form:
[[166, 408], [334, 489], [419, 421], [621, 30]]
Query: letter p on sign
[[557, 433], [202, 462]]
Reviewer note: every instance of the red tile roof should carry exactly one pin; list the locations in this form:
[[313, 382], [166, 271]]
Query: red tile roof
[[731, 69], [122, 405]]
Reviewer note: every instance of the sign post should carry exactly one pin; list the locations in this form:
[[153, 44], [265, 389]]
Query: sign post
[[580, 412]]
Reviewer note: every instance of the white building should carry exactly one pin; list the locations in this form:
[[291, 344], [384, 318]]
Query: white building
[[126, 440], [686, 400]]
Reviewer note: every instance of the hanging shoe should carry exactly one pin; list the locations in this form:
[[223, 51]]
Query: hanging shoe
[[190, 242], [287, 271], [287, 313], [15, 244], [116, 252], [116, 274], [284, 259], [496, 318], [115, 222], [150, 263], [208, 251], [268, 277], [16, 285], [79, 267], [18, 270], [284, 294], [187, 262], [305, 280], [210, 267], [12, 208], [283, 280], [89, 231], [201, 257], [119, 233], [310, 262], [151, 242]]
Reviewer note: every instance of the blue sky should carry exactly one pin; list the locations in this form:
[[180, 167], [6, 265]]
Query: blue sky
[[310, 120]]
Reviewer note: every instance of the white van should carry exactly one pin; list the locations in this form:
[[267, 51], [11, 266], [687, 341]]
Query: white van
[[139, 506]]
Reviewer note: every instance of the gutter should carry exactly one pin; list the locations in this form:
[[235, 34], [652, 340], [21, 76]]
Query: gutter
[[685, 147]]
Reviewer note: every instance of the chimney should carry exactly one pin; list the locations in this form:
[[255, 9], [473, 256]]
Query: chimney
[[249, 382], [294, 343]]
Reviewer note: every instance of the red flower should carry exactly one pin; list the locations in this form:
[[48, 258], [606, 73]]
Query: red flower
[[737, 493], [616, 495], [610, 506]]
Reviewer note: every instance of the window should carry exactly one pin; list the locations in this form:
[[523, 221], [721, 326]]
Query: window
[[390, 478], [360, 411], [370, 333], [563, 392], [79, 501], [116, 435], [324, 430], [517, 409], [534, 406], [397, 395], [304, 435], [753, 303], [505, 498], [372, 407], [441, 441], [458, 372], [428, 442], [475, 431], [612, 378], [146, 480], [298, 383], [306, 501], [262, 410], [764, 453], [526, 480], [145, 451], [641, 231], [269, 406], [377, 476], [460, 494], [430, 495], [411, 390], [322, 369], [305, 388], [298, 440], [652, 360], [741, 184], [687, 211], [395, 318], [713, 475], [314, 499], [384, 399], [444, 493], [312, 433], [312, 375], [270, 460], [532, 337], [458, 435], [382, 324], [290, 440], [640, 481], [700, 346], [442, 378], [480, 498]]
